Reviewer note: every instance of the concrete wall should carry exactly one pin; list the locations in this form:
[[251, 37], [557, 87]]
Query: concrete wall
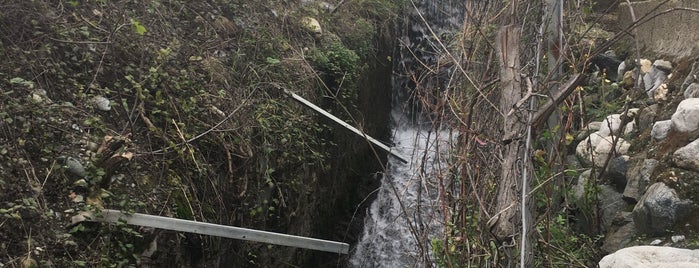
[[674, 35]]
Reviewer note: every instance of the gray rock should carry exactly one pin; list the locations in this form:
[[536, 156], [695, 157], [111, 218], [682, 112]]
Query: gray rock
[[611, 203], [579, 187], [686, 117], [610, 124], [647, 116], [74, 166], [630, 127], [621, 70], [618, 239], [659, 209], [591, 127], [663, 65], [692, 91], [651, 257], [607, 148], [660, 130], [572, 162], [616, 171], [638, 179], [687, 157], [101, 103], [677, 238], [653, 80]]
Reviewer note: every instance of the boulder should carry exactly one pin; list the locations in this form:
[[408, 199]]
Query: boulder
[[647, 116], [579, 187], [591, 127], [610, 203], [686, 117], [638, 178], [605, 147], [585, 148], [687, 157], [616, 171], [659, 209], [692, 91], [630, 127], [653, 80], [595, 149], [651, 257], [660, 129], [609, 125], [619, 238]]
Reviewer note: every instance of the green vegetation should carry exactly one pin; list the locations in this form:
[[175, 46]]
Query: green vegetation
[[195, 128]]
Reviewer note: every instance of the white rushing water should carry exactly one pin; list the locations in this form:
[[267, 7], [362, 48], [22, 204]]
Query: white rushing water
[[407, 214]]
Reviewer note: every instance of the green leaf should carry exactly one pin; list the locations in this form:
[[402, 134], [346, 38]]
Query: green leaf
[[273, 61], [138, 27]]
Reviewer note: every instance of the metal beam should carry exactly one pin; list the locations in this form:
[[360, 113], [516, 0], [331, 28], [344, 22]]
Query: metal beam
[[114, 216], [347, 126]]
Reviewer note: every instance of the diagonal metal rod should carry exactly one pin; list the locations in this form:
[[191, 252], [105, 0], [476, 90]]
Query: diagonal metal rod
[[115, 216], [347, 126]]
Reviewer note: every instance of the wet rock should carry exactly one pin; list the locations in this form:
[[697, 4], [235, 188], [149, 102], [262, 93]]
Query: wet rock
[[687, 157], [659, 209], [686, 117], [638, 178], [651, 257], [692, 91], [660, 130]]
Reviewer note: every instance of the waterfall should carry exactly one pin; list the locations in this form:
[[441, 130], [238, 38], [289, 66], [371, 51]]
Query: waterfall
[[407, 214]]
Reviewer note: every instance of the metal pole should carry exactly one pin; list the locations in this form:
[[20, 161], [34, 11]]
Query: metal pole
[[344, 124], [114, 216]]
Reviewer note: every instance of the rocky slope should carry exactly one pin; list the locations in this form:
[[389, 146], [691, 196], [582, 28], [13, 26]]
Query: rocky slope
[[642, 160]]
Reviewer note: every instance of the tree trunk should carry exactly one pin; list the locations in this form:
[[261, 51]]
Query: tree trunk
[[508, 220]]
